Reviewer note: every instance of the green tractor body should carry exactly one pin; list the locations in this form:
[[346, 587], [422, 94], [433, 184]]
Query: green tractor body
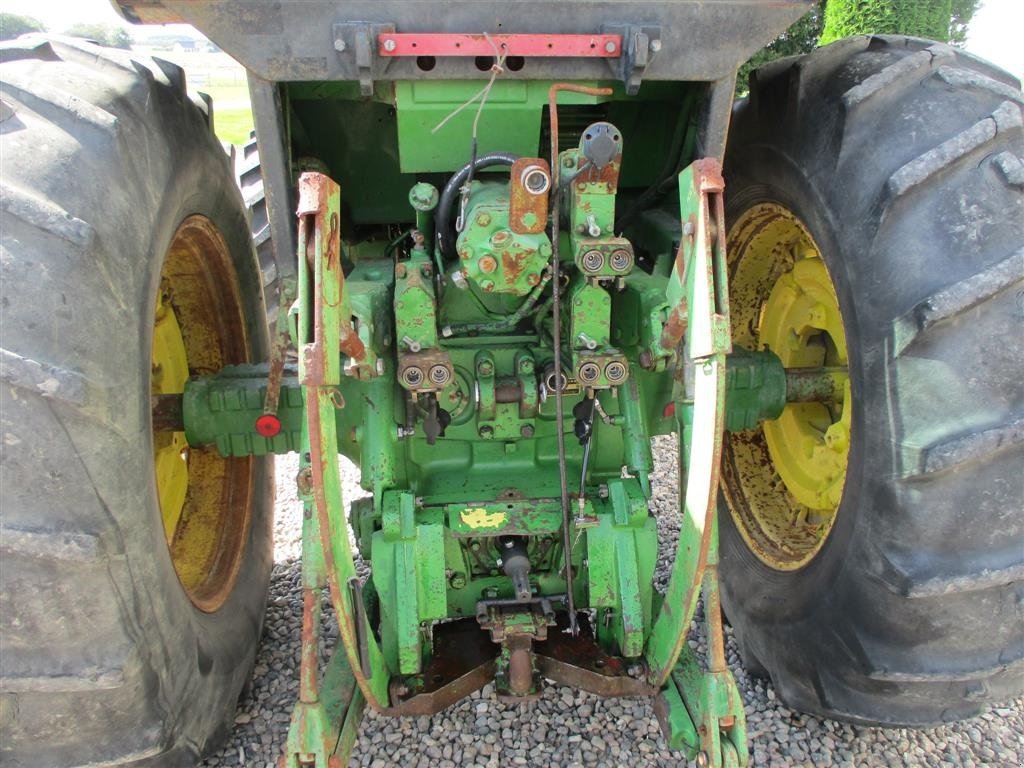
[[504, 258]]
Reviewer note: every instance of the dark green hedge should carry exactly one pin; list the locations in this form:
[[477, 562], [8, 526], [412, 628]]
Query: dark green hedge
[[920, 18]]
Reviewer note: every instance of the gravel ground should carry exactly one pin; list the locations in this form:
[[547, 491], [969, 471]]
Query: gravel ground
[[566, 727]]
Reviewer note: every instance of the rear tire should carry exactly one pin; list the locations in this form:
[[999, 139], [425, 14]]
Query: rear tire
[[107, 659], [249, 176], [905, 160]]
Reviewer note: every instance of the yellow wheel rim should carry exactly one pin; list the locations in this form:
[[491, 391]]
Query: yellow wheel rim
[[198, 328], [784, 481]]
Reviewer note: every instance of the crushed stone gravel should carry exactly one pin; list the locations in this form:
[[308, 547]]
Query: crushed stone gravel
[[568, 728]]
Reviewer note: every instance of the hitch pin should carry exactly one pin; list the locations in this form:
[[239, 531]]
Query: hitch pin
[[268, 423]]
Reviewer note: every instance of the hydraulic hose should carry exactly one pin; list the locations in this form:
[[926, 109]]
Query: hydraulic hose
[[445, 236]]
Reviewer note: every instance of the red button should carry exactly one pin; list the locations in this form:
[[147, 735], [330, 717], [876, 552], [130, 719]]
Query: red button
[[268, 425]]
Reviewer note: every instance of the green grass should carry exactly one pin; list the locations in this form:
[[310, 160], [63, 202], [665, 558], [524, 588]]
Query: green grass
[[232, 116], [232, 124]]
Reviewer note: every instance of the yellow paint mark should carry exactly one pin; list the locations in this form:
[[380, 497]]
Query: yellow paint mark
[[478, 517]]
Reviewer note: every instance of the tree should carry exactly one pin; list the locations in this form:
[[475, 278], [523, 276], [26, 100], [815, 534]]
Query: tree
[[963, 12], [802, 37], [944, 20], [12, 25], [104, 34], [829, 20]]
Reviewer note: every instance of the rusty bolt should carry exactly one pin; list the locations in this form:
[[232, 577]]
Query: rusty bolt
[[400, 270], [487, 285], [486, 432], [390, 45], [304, 482], [465, 252], [526, 430], [501, 237], [533, 278], [483, 219], [485, 368], [457, 581], [487, 264]]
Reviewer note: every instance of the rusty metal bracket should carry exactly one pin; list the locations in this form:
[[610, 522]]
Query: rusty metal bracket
[[356, 45], [639, 45], [324, 334], [700, 321], [526, 45]]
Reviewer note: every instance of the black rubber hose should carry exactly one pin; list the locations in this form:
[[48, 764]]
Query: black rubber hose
[[451, 192]]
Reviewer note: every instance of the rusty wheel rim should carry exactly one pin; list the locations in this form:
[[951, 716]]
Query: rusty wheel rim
[[784, 481], [205, 499]]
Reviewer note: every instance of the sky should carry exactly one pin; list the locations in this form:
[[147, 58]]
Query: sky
[[994, 32]]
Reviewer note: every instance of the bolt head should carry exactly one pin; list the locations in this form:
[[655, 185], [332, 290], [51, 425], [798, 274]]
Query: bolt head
[[339, 45], [487, 264], [483, 219], [486, 432], [390, 45], [655, 46], [526, 430], [487, 285], [485, 368], [610, 46]]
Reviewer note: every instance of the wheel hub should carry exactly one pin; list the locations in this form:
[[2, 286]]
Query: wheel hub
[[784, 481]]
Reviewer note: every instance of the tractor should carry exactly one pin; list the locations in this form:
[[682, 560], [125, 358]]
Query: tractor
[[486, 251]]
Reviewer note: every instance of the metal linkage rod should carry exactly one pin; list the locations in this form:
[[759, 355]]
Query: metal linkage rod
[[556, 315]]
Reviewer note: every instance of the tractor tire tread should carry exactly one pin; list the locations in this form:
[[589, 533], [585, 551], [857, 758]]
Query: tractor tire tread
[[938, 547], [84, 672]]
